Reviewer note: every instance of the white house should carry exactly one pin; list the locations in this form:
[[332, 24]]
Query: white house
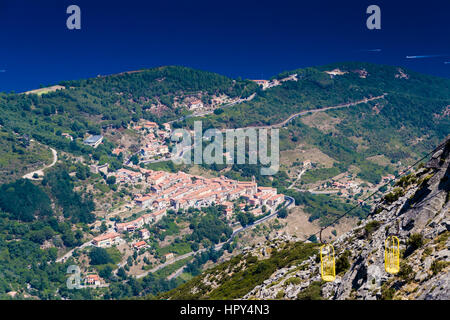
[[93, 141]]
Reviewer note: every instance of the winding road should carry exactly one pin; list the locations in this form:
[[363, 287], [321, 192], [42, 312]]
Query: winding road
[[288, 202], [305, 112], [40, 172]]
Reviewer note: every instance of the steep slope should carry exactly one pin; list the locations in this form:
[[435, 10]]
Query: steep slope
[[417, 212]]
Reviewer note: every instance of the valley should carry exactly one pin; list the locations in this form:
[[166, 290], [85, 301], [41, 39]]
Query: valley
[[99, 189]]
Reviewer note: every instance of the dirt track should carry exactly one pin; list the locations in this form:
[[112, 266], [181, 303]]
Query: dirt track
[[295, 115], [40, 172]]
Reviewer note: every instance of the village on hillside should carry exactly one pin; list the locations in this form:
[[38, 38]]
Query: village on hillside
[[175, 191], [156, 196], [153, 197], [174, 194]]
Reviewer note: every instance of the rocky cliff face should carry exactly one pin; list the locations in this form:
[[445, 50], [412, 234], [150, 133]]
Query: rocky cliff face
[[417, 212]]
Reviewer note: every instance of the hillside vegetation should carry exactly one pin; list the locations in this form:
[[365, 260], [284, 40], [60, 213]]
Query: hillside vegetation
[[92, 105], [407, 121], [286, 268], [315, 89], [41, 220], [234, 278], [19, 155]]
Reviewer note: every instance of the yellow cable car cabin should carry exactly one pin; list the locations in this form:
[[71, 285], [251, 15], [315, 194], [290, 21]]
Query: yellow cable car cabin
[[392, 255], [327, 263]]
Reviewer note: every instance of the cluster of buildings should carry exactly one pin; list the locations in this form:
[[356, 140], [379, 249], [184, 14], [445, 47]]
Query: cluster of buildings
[[113, 238], [96, 168], [265, 196], [182, 191], [195, 104], [387, 178], [138, 223], [345, 185], [118, 151], [266, 84], [127, 176], [165, 190], [154, 139]]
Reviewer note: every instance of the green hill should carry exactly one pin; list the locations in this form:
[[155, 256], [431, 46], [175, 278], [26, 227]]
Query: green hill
[[112, 101], [408, 121], [402, 125], [406, 99]]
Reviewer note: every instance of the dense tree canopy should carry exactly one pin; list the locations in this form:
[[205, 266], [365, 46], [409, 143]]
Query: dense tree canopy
[[75, 206], [24, 200]]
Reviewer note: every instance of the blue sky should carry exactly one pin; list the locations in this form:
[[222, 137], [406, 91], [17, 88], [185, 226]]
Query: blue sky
[[250, 39]]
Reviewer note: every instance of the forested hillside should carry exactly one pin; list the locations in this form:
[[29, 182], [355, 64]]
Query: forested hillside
[[406, 122], [316, 89], [413, 107], [112, 101], [33, 231], [43, 219], [92, 105], [412, 117]]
